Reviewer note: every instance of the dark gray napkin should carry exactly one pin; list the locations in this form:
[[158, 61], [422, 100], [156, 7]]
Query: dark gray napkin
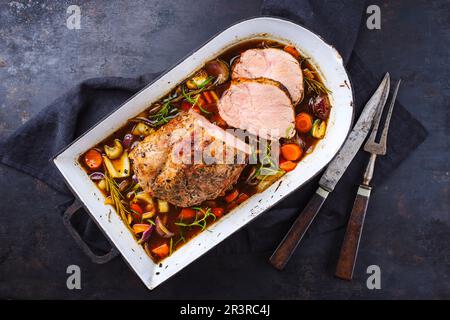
[[31, 146]]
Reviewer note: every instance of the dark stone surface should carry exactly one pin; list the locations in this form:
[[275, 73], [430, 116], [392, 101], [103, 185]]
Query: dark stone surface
[[40, 58]]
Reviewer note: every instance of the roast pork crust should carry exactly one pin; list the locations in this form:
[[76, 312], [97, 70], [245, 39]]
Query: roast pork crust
[[160, 171]]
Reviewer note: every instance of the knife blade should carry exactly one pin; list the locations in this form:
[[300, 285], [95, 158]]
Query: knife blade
[[332, 174], [353, 143]]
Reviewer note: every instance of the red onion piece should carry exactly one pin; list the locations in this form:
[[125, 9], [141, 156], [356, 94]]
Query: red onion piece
[[162, 230], [95, 176], [127, 140], [146, 234]]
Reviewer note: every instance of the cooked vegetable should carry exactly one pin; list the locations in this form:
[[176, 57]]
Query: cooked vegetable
[[199, 80], [291, 151], [163, 206], [241, 198], [187, 213], [293, 51], [101, 184], [124, 184], [95, 176], [320, 106], [201, 223], [142, 129], [303, 122], [136, 208], [308, 73], [127, 140], [162, 251], [230, 197], [219, 70], [268, 180], [287, 165], [148, 215], [140, 227], [146, 234], [115, 151], [118, 168], [319, 128], [210, 97], [93, 159], [145, 197], [218, 211], [161, 229]]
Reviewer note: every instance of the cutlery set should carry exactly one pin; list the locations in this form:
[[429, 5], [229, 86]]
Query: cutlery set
[[369, 118]]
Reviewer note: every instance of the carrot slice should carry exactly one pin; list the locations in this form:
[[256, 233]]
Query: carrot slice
[[291, 151], [293, 51], [162, 251], [231, 196], [218, 212], [93, 159], [287, 165], [242, 197], [185, 106], [208, 97], [187, 213], [137, 208], [303, 122], [140, 227]]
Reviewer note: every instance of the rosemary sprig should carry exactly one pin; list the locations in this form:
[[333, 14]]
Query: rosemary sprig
[[201, 223], [193, 102], [164, 115], [117, 198], [315, 86]]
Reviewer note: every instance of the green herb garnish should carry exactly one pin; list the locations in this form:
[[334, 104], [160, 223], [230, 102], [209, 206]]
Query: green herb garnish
[[201, 223]]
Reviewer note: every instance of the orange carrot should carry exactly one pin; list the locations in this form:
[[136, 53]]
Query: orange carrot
[[162, 251], [218, 212], [187, 213], [137, 208], [303, 122], [93, 159], [242, 197], [140, 227], [291, 151], [287, 165], [231, 196], [185, 106], [293, 51], [208, 97]]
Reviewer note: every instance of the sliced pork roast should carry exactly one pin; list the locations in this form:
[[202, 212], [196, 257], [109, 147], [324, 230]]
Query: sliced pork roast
[[185, 161], [274, 64], [260, 106]]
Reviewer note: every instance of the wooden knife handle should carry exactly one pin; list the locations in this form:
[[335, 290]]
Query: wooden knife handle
[[290, 242], [349, 249]]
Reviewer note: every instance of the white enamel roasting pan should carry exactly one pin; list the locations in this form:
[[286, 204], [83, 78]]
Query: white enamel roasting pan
[[323, 56]]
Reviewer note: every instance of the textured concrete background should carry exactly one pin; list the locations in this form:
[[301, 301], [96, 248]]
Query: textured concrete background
[[40, 59]]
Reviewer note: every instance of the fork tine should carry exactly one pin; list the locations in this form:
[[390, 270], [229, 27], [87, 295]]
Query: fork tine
[[383, 139]]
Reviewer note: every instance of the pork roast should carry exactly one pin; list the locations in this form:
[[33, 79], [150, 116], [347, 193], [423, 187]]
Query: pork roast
[[171, 164], [274, 64], [260, 106]]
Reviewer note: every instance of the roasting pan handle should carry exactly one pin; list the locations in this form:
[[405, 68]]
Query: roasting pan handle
[[75, 207]]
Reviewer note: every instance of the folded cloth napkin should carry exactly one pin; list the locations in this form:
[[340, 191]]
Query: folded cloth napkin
[[80, 108]]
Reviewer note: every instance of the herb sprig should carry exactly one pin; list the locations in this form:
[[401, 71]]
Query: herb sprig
[[201, 223]]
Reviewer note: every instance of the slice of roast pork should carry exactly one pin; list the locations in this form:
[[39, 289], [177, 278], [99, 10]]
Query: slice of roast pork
[[274, 64], [260, 106]]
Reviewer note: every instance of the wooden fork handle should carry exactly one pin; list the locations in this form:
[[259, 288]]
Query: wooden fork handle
[[349, 249], [286, 248]]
